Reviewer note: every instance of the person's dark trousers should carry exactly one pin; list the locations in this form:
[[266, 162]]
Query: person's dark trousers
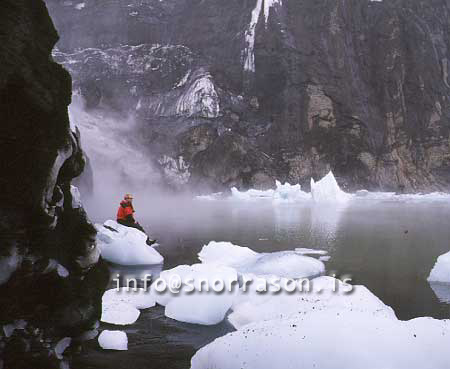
[[131, 224]]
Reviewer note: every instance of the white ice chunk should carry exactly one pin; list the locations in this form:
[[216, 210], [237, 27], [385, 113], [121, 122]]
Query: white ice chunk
[[328, 340], [327, 190], [441, 270], [119, 313], [139, 298], [286, 264], [289, 193], [281, 194], [113, 340], [200, 293], [225, 253], [200, 308], [251, 194], [321, 294], [125, 245]]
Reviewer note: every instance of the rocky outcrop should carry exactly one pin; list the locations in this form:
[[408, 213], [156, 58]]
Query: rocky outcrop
[[356, 86], [51, 280]]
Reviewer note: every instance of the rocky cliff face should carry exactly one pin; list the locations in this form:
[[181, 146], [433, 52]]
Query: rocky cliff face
[[50, 278], [287, 89]]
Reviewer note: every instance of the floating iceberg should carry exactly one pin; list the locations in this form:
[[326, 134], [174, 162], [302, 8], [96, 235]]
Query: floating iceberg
[[287, 264], [198, 294], [121, 306], [119, 313], [321, 294], [113, 340], [251, 194], [125, 246], [441, 270], [327, 190], [331, 339], [282, 193]]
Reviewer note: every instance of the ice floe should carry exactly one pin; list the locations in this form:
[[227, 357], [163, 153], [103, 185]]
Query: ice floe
[[121, 306], [199, 294], [328, 190], [287, 264], [441, 270], [113, 340], [320, 294], [125, 246], [331, 339], [282, 193]]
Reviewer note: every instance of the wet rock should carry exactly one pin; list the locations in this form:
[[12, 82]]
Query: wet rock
[[358, 87], [44, 232]]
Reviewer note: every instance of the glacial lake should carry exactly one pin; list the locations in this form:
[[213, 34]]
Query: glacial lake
[[389, 245]]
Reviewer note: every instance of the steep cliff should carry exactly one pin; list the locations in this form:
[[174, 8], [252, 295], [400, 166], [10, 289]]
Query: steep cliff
[[357, 86], [50, 278]]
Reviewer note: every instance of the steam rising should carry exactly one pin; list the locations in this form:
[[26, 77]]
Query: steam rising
[[119, 160]]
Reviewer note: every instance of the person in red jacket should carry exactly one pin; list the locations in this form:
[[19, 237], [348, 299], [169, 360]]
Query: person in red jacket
[[125, 216]]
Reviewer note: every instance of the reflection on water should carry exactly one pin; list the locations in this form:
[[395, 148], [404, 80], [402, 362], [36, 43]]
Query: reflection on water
[[388, 246], [442, 291]]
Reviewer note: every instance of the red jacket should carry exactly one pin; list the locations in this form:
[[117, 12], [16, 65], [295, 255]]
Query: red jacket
[[125, 211]]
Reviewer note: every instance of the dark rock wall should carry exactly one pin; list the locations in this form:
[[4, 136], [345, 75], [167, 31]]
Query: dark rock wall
[[357, 86], [50, 279]]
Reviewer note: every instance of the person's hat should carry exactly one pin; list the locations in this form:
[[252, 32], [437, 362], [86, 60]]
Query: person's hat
[[128, 196]]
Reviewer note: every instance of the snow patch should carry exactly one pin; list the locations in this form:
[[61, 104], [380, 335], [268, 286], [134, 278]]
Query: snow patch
[[250, 33], [200, 98], [176, 171]]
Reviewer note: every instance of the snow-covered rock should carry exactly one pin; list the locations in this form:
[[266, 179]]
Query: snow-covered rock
[[329, 340], [327, 190], [198, 294], [125, 245], [113, 340], [288, 264]]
